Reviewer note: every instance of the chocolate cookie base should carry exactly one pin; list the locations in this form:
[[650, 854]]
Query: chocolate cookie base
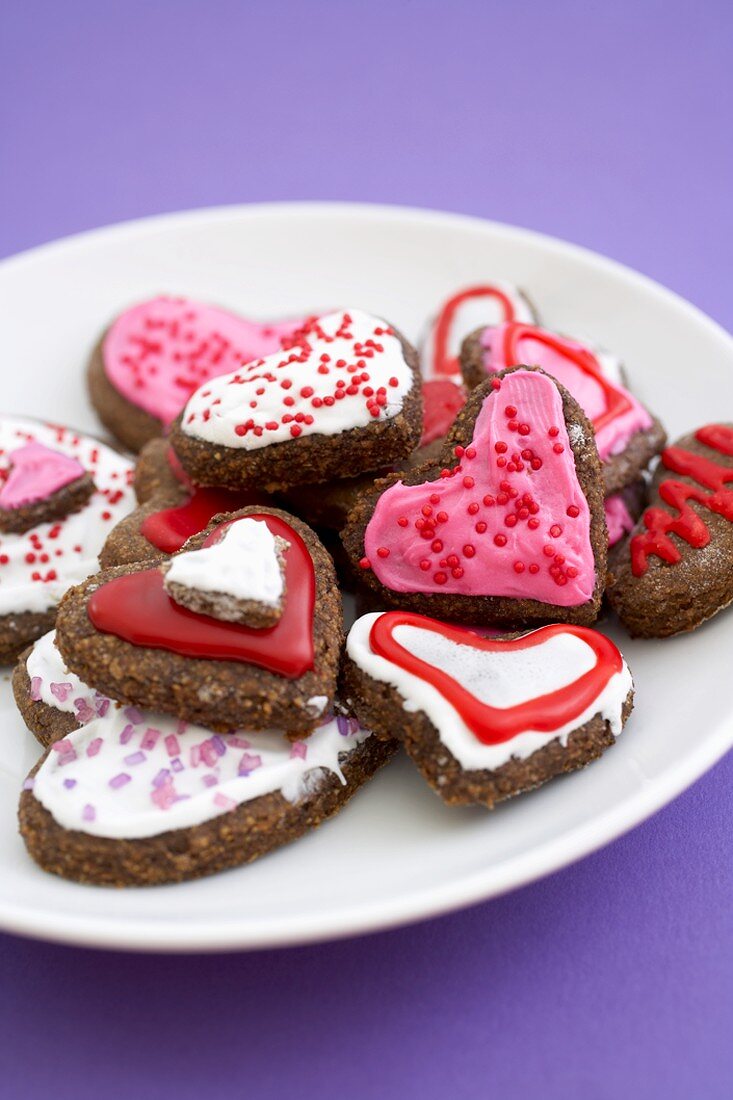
[[380, 707], [128, 423], [492, 610], [71, 498], [619, 470], [240, 836], [19, 629], [221, 695]]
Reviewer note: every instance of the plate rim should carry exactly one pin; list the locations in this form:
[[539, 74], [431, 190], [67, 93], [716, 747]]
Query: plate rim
[[135, 934]]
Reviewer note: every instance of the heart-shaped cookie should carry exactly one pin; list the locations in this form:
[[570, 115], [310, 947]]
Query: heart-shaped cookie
[[157, 353], [676, 570], [124, 634], [627, 436], [509, 530], [485, 718], [466, 309], [41, 484], [345, 397]]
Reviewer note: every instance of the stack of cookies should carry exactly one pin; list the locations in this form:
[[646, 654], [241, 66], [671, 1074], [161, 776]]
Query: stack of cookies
[[197, 694]]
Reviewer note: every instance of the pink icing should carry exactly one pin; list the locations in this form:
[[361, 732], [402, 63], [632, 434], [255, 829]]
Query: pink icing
[[619, 520], [590, 393], [159, 352], [36, 472], [509, 520]]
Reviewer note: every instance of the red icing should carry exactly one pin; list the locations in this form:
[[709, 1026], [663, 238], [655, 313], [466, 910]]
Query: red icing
[[495, 725], [617, 402], [442, 401], [686, 524], [137, 608], [444, 363], [169, 529]]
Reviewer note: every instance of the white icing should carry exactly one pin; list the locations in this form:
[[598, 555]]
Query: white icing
[[472, 314], [179, 775], [317, 703], [244, 564], [68, 547], [499, 679], [248, 395]]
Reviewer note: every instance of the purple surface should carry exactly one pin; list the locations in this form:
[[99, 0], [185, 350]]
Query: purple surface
[[604, 124]]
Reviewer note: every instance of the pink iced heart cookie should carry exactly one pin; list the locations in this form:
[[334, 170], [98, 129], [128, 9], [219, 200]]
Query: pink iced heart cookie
[[344, 398], [627, 436], [41, 484], [509, 528], [155, 354], [480, 304], [486, 718]]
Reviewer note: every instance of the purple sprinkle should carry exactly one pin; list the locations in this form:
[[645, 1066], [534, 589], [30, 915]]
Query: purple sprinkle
[[248, 763], [94, 746], [29, 784], [162, 777], [172, 746], [36, 682], [298, 750], [88, 813], [136, 758], [208, 752], [83, 711], [149, 738], [210, 780], [102, 707], [236, 742], [195, 755], [119, 780], [133, 715], [61, 691], [63, 746], [347, 727], [177, 764], [69, 783], [126, 734], [219, 745]]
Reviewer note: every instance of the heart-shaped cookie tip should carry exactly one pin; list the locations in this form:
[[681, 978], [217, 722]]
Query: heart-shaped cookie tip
[[36, 473], [157, 353], [510, 519]]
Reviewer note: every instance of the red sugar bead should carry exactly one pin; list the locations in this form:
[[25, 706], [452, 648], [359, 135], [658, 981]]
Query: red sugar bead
[[468, 482], [402, 521], [472, 509], [556, 530], [558, 448], [442, 517], [489, 500], [518, 566], [440, 578], [434, 498], [480, 528], [552, 432], [573, 511], [510, 410], [457, 572], [469, 550], [500, 540], [383, 552], [425, 564], [295, 430], [436, 546], [500, 448], [548, 551], [365, 563], [510, 520], [534, 568]]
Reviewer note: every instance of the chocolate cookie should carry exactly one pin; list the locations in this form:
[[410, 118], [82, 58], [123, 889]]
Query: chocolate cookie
[[136, 798], [507, 529], [345, 397], [72, 489], [485, 719], [156, 354], [171, 510], [627, 435], [676, 570], [121, 633], [479, 304], [623, 510]]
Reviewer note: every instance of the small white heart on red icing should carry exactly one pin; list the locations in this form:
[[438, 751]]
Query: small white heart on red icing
[[510, 519], [346, 370], [157, 353], [493, 698]]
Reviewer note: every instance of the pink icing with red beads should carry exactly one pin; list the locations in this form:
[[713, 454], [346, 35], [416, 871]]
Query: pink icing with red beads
[[509, 519], [37, 472], [560, 357], [159, 352]]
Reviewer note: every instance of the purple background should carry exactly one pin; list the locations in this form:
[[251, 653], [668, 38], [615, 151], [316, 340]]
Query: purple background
[[606, 124]]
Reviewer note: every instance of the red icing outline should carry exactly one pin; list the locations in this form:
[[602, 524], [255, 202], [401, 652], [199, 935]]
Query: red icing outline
[[137, 608], [617, 402], [687, 524], [443, 363], [495, 725], [170, 528]]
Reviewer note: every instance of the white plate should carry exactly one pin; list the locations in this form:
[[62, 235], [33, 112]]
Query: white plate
[[396, 853]]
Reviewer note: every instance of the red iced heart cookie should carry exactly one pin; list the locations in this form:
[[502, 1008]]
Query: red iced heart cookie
[[518, 518], [482, 717], [480, 304]]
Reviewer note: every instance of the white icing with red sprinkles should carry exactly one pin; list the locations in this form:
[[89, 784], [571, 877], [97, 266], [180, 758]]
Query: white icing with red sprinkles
[[346, 370], [37, 567], [129, 773]]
